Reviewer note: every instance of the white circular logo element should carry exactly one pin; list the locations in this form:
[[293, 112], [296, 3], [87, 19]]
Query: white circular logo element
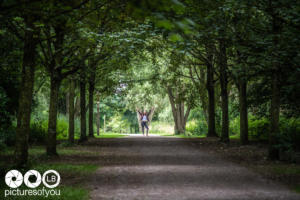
[[57, 178], [13, 178], [32, 173]]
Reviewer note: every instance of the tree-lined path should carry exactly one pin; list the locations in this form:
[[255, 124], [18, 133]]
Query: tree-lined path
[[173, 168], [75, 73]]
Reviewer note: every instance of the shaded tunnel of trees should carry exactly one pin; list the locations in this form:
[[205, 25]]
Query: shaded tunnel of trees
[[223, 60]]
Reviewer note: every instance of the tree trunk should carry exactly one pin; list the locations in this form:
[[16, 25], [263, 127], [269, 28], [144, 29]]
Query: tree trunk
[[91, 105], [274, 117], [243, 112], [210, 86], [83, 136], [273, 152], [224, 92], [186, 116], [180, 116], [54, 89], [205, 113], [71, 111], [203, 95], [104, 123], [139, 121], [151, 115], [98, 118], [211, 102], [174, 111], [25, 97], [55, 81], [77, 107], [67, 102], [180, 122], [200, 84]]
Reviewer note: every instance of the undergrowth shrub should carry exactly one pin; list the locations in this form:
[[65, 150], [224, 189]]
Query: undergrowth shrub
[[161, 127], [196, 127], [38, 133], [258, 129], [234, 126], [62, 129], [39, 130], [289, 137]]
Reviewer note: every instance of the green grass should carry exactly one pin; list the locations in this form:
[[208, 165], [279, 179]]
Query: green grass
[[40, 150], [110, 135], [284, 170], [180, 136], [234, 136], [67, 191], [187, 135], [76, 169], [190, 136], [164, 134]]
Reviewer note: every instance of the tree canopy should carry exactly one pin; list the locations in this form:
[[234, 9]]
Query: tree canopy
[[225, 64]]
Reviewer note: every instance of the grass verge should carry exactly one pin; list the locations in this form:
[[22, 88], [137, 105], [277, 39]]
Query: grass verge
[[73, 174], [110, 135]]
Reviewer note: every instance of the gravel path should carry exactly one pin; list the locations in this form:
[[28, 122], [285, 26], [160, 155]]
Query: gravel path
[[172, 168]]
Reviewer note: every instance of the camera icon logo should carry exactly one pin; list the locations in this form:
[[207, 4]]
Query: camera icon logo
[[32, 183], [13, 178], [32, 178]]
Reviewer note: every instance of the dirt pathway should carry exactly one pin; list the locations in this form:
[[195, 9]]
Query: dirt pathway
[[173, 168]]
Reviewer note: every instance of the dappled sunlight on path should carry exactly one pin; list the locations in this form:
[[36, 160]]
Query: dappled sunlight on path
[[154, 167]]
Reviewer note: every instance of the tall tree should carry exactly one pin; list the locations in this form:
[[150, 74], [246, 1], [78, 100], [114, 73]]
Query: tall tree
[[275, 86], [222, 62], [26, 91], [210, 86], [180, 114], [71, 110], [98, 114], [243, 108], [91, 101], [54, 68], [82, 85]]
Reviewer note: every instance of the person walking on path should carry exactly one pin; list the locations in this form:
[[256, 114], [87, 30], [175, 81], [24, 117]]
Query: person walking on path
[[144, 118]]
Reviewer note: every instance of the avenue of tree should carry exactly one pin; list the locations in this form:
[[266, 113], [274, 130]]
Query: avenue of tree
[[209, 55]]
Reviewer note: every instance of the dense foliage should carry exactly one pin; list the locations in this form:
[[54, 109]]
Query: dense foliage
[[223, 68]]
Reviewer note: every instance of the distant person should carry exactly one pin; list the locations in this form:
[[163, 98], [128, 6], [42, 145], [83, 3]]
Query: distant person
[[144, 117]]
